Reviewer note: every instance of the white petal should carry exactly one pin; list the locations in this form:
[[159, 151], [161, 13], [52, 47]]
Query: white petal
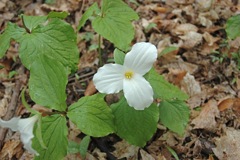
[[141, 58], [25, 126], [138, 92], [12, 123], [109, 78]]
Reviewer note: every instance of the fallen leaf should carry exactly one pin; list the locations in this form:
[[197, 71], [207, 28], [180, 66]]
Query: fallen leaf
[[145, 155], [228, 146], [209, 38], [206, 119], [190, 85], [125, 150], [184, 29], [91, 89], [191, 39]]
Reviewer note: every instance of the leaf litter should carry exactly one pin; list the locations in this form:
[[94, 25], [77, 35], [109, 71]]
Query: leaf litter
[[196, 28]]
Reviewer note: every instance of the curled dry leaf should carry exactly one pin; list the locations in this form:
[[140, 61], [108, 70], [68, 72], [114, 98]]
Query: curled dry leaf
[[228, 146], [206, 119]]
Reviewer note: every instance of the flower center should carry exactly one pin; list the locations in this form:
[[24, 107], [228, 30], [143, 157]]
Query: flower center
[[128, 74]]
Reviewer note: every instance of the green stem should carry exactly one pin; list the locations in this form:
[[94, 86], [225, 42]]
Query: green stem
[[100, 51]]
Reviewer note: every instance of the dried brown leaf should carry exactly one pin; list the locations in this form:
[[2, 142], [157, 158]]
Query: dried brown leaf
[[228, 146], [91, 89], [206, 119]]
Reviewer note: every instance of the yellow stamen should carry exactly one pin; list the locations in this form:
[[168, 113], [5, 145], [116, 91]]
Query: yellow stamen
[[128, 74]]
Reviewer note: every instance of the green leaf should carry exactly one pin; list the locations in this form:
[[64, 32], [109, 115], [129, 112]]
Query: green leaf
[[233, 27], [168, 50], [54, 133], [73, 147], [89, 12], [172, 152], [60, 15], [56, 39], [84, 146], [162, 88], [174, 115], [92, 116], [119, 56], [31, 22], [47, 83], [135, 126], [12, 31], [114, 23]]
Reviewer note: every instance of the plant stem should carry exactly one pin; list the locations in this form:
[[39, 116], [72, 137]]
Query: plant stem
[[100, 51]]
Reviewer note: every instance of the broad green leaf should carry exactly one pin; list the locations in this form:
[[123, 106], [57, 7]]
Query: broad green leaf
[[56, 39], [92, 116], [174, 115], [47, 83], [168, 50], [60, 15], [135, 126], [73, 147], [89, 12], [54, 133], [114, 23], [31, 22], [84, 146], [233, 27], [162, 88], [12, 31], [81, 148], [119, 56]]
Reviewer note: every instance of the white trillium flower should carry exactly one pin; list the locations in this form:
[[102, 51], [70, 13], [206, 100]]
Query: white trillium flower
[[25, 127], [112, 78]]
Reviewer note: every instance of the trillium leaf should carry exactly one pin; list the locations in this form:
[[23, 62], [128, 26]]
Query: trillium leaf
[[89, 12], [114, 23], [162, 88], [54, 133], [174, 115], [31, 22], [56, 39], [12, 31], [119, 56], [60, 15], [233, 27], [83, 148], [92, 116], [135, 126], [47, 83]]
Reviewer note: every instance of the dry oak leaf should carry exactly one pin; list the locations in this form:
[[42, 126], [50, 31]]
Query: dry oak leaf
[[124, 149], [228, 146], [206, 119]]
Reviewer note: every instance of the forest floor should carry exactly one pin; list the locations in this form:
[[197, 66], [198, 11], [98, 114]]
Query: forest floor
[[201, 65]]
